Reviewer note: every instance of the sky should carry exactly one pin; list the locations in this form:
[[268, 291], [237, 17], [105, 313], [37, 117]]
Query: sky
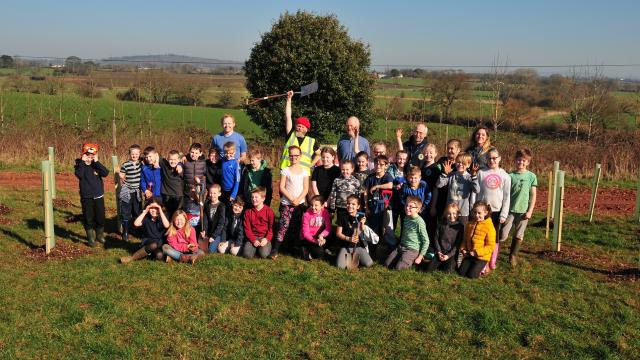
[[430, 33]]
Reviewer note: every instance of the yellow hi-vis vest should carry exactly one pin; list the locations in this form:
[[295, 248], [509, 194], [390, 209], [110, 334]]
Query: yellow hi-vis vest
[[307, 151]]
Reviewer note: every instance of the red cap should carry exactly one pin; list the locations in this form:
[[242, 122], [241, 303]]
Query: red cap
[[304, 121]]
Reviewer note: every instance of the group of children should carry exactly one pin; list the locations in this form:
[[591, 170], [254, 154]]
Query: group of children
[[451, 210]]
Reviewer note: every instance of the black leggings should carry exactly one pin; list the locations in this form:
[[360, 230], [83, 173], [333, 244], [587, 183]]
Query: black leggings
[[316, 251], [471, 267], [447, 266]]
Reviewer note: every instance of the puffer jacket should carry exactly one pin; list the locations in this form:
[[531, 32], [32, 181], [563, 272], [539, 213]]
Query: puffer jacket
[[481, 237]]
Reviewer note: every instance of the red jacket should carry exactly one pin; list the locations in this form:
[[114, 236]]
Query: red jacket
[[180, 241], [258, 224]]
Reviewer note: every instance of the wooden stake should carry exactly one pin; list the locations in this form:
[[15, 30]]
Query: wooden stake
[[549, 204], [556, 168], [594, 192], [116, 182], [113, 131], [52, 171], [638, 200], [557, 224], [47, 204]]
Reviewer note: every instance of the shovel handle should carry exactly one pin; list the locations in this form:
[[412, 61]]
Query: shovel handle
[[257, 100]]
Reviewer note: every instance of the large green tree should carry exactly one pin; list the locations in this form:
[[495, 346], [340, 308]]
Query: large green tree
[[300, 48]]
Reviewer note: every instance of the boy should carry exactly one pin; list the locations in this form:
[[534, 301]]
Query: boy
[[172, 185], [361, 172], [258, 226], [214, 168], [342, 187], [230, 173], [378, 185], [439, 199], [431, 171], [234, 231], [415, 187], [228, 123], [130, 173], [151, 177], [194, 169], [414, 240], [459, 184], [213, 222], [90, 172], [397, 171], [352, 241], [524, 186], [256, 174]]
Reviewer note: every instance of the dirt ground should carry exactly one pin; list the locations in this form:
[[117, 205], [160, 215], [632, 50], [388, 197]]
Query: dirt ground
[[611, 201]]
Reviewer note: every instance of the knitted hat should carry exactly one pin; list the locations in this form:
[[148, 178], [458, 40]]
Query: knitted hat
[[304, 121], [90, 149]]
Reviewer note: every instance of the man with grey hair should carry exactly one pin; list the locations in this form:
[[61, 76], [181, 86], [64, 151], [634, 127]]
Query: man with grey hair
[[415, 145], [352, 143]]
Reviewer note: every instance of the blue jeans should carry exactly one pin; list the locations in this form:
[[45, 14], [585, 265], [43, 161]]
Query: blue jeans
[[213, 245], [175, 254]]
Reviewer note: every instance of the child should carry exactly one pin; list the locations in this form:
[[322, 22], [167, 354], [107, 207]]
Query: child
[[172, 186], [214, 168], [495, 188], [182, 244], [234, 229], [431, 171], [417, 187], [90, 172], [213, 223], [154, 224], [362, 172], [350, 235], [345, 185], [478, 243], [323, 176], [378, 185], [397, 169], [151, 177], [194, 170], [294, 186], [524, 186], [256, 174], [379, 148], [130, 198], [439, 199], [258, 226], [459, 184], [414, 241], [316, 226], [230, 173], [449, 236]]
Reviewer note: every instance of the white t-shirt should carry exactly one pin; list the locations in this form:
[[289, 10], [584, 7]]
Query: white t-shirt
[[294, 184]]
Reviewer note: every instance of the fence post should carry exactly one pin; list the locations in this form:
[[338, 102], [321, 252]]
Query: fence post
[[53, 172], [638, 199], [594, 192], [47, 205], [556, 168], [116, 183], [558, 212], [549, 204]]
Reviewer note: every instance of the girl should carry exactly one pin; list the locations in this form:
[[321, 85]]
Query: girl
[[323, 176], [214, 168], [213, 222], [294, 185], [182, 244], [154, 223], [449, 235], [316, 226], [349, 232], [495, 189], [478, 243], [479, 146]]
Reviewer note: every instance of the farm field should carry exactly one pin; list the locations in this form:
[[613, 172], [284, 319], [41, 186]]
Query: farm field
[[580, 303]]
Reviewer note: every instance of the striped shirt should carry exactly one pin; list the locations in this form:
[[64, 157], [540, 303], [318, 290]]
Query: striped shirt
[[131, 172]]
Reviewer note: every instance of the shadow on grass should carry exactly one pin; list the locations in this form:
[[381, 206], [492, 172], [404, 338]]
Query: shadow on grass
[[19, 238], [61, 232]]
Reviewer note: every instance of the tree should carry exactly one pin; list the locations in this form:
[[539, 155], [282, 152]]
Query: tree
[[586, 97], [303, 47], [73, 64], [446, 87], [394, 73], [6, 61], [226, 98], [500, 89]]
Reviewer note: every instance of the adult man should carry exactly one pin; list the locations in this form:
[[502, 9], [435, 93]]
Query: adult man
[[352, 143], [227, 134], [415, 145], [298, 137]]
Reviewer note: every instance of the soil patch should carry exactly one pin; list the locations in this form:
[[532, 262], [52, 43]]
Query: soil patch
[[61, 203], [61, 251], [611, 201], [580, 258]]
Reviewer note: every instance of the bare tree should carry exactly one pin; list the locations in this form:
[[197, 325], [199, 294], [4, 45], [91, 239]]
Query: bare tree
[[497, 82], [447, 87], [587, 98]]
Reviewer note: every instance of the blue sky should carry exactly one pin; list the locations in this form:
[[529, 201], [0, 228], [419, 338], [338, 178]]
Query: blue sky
[[451, 33]]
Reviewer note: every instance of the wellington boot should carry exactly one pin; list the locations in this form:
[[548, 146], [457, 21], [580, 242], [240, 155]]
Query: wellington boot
[[91, 237], [515, 248], [100, 235], [140, 254], [125, 230], [196, 257]]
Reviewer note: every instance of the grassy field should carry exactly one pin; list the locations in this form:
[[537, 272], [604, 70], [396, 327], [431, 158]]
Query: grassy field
[[572, 306]]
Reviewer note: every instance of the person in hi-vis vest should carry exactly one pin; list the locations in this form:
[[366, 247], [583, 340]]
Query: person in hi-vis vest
[[298, 136]]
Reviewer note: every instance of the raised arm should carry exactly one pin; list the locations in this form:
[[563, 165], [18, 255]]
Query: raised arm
[[399, 138]]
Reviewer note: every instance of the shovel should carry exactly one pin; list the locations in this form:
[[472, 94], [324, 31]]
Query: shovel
[[304, 91]]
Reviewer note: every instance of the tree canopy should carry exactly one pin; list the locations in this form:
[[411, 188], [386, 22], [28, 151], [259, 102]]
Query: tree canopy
[[300, 48]]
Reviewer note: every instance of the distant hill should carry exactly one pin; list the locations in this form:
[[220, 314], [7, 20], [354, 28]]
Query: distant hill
[[168, 60]]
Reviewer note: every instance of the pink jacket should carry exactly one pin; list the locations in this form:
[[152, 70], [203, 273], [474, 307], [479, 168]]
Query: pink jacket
[[314, 225], [180, 241]]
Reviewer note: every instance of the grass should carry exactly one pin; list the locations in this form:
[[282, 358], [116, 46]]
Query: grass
[[229, 307]]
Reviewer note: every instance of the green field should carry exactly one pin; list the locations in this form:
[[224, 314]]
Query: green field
[[89, 306]]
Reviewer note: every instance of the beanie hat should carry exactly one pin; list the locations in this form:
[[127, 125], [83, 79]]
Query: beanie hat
[[303, 121], [90, 149]]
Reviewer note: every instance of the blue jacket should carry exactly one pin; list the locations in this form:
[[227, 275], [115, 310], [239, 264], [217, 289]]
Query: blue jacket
[[230, 177], [151, 175], [423, 192]]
